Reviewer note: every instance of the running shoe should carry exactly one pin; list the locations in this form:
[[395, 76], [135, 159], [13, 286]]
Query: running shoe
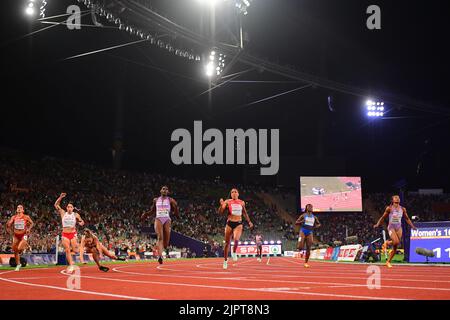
[[160, 260], [17, 267], [388, 264], [306, 265], [225, 265], [121, 259], [70, 269], [259, 259], [104, 269], [234, 256]]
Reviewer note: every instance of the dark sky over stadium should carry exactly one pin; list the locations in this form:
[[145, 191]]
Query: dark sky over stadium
[[69, 108]]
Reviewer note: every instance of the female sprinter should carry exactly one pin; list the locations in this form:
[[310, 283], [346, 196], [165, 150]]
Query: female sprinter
[[20, 225], [259, 243], [69, 235], [163, 206], [395, 213], [236, 208], [91, 244], [308, 221]]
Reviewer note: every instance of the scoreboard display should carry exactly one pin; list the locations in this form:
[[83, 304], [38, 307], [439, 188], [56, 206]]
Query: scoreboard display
[[434, 236]]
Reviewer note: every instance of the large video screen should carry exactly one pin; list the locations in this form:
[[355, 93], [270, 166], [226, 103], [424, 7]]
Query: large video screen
[[331, 194], [433, 236]]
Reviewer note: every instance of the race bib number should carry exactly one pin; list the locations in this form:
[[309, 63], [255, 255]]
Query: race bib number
[[309, 221], [236, 209], [162, 213], [19, 225]]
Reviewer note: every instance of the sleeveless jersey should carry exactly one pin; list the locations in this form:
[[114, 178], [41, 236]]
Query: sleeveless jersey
[[19, 223], [395, 215], [163, 207], [69, 220], [235, 207], [309, 221]]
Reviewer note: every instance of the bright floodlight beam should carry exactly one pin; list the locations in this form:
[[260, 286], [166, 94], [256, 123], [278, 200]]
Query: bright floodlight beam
[[375, 108]]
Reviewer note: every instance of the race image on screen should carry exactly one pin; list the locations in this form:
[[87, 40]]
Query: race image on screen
[[331, 194]]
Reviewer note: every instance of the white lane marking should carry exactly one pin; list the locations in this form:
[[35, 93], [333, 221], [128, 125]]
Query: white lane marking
[[73, 291]]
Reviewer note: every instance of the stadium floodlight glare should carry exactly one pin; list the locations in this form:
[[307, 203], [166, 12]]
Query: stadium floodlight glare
[[30, 10], [375, 108], [216, 63], [266, 242], [239, 243], [246, 242], [278, 242], [253, 242], [272, 242]]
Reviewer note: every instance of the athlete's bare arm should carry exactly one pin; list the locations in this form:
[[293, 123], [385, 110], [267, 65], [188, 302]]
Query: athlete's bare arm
[[80, 221], [317, 223], [58, 203], [30, 223], [300, 219], [9, 224], [175, 208], [151, 212], [408, 220], [244, 212], [223, 205], [384, 216]]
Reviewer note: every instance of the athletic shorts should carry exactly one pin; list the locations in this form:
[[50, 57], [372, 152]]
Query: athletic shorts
[[306, 232], [19, 236], [69, 235], [234, 224], [163, 220]]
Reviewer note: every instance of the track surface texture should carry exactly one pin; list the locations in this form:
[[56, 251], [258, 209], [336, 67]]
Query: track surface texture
[[247, 279]]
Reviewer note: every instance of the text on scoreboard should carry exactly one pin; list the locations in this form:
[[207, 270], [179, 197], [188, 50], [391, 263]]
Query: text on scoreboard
[[434, 236]]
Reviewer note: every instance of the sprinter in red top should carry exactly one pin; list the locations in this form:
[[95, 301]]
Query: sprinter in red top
[[236, 208], [20, 225]]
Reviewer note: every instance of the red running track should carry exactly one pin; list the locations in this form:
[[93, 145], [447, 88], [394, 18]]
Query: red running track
[[204, 279]]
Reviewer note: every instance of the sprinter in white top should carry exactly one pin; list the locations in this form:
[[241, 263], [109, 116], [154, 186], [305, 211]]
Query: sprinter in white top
[[69, 238]]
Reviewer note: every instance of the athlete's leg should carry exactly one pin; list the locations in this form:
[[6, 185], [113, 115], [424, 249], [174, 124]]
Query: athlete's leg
[[309, 241], [160, 237], [228, 232], [166, 232], [395, 243], [66, 245], [74, 244], [301, 241], [237, 232], [15, 248]]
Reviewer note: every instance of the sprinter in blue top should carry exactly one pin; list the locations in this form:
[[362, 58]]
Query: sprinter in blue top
[[308, 221]]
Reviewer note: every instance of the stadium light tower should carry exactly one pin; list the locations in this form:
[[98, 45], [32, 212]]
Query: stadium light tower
[[375, 109]]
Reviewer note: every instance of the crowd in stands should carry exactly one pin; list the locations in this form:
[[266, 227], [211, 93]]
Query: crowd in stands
[[111, 203]]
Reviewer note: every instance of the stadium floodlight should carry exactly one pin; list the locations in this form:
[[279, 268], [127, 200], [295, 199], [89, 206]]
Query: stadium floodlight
[[375, 108], [272, 242], [239, 243], [216, 63], [30, 9], [246, 242], [278, 242], [253, 242], [266, 242]]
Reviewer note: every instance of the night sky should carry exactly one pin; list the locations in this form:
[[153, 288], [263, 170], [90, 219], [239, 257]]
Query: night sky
[[69, 108]]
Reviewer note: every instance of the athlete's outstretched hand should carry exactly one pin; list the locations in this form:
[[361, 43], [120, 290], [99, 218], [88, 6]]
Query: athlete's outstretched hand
[[63, 195], [376, 226]]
